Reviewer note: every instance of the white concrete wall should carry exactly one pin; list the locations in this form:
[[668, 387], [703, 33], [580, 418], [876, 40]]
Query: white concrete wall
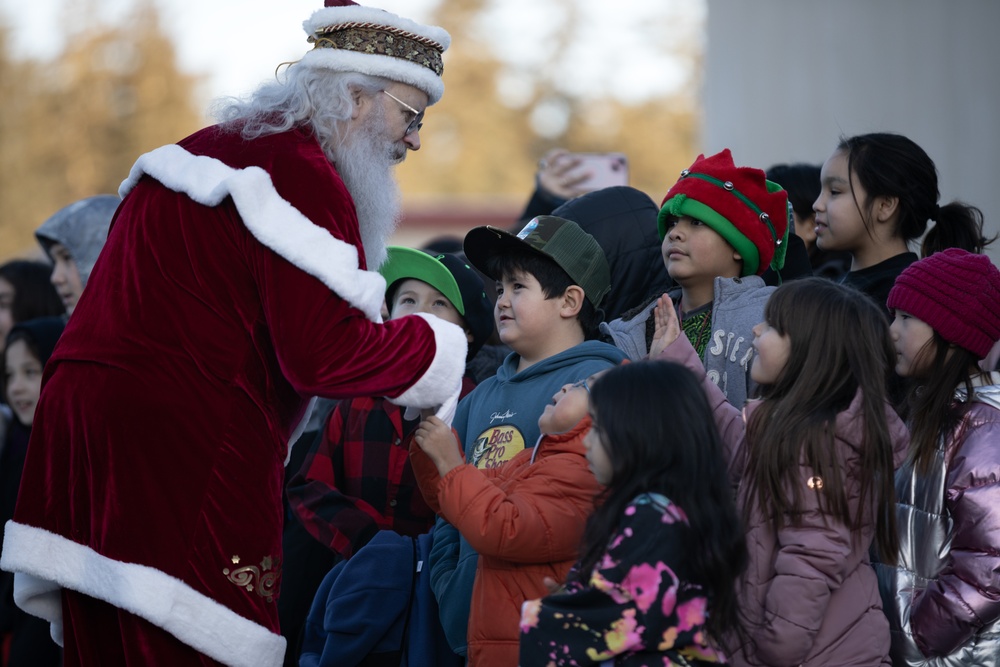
[[785, 78]]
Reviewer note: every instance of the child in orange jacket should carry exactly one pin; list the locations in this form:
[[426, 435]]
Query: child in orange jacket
[[525, 519]]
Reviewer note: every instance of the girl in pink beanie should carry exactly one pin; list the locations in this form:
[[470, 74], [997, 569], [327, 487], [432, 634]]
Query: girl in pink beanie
[[942, 595]]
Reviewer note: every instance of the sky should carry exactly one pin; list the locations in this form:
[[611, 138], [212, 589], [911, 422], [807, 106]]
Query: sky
[[615, 51]]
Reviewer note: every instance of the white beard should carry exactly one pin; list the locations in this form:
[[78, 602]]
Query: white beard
[[364, 160]]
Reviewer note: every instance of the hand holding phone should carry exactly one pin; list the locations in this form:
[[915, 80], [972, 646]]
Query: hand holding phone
[[601, 170], [568, 175]]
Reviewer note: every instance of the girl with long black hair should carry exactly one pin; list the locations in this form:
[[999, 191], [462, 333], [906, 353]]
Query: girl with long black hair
[[663, 550]]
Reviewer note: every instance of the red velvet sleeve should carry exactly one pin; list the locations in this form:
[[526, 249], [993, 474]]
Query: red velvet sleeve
[[302, 246], [325, 346]]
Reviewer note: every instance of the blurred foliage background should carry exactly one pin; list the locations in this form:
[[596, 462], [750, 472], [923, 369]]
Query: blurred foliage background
[[72, 126]]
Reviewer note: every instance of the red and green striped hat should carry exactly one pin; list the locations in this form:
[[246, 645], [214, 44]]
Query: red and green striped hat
[[739, 203]]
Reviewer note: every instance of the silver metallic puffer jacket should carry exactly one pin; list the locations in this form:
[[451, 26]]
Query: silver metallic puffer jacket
[[949, 537]]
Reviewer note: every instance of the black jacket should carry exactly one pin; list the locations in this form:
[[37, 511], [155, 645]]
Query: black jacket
[[623, 221]]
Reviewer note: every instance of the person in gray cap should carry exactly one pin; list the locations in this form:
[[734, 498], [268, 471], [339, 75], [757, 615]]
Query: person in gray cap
[[73, 238]]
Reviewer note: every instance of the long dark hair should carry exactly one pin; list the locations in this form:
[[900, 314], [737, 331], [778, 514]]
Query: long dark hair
[[930, 407], [39, 335], [34, 295], [891, 165], [657, 426], [839, 344]]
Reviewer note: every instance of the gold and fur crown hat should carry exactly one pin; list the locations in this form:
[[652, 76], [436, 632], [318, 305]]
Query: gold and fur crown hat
[[349, 37]]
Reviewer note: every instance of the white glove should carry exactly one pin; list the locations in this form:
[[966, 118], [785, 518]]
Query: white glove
[[445, 412]]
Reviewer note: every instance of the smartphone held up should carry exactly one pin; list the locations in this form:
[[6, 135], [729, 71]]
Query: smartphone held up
[[567, 175], [599, 170]]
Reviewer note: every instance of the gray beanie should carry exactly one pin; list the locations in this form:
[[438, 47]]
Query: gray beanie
[[83, 228]]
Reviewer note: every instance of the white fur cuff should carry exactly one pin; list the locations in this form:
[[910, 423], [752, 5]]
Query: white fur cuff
[[444, 376]]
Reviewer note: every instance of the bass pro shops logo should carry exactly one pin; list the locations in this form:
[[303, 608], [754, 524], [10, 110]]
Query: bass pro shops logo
[[496, 445]]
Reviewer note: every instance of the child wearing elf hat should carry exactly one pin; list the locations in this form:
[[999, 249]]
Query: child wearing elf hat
[[721, 227], [941, 595]]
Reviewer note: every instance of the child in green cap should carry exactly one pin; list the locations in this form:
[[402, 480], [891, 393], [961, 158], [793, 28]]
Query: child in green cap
[[356, 479]]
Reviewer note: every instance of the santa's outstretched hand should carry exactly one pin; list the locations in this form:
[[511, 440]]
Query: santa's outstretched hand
[[445, 412]]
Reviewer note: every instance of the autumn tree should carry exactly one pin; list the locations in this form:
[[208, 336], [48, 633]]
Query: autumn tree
[[72, 127], [499, 115], [19, 194]]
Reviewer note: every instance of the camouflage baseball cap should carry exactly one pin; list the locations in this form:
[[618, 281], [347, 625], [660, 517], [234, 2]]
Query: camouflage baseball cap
[[563, 241]]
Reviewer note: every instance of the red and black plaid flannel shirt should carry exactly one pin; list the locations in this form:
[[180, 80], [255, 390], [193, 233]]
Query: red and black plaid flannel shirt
[[356, 478]]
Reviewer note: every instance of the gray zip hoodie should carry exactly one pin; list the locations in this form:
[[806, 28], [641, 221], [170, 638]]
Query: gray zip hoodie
[[738, 306]]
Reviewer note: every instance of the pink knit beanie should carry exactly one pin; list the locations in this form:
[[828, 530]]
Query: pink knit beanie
[[957, 293]]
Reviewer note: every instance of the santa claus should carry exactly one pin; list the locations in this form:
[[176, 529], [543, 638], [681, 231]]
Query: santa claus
[[237, 282]]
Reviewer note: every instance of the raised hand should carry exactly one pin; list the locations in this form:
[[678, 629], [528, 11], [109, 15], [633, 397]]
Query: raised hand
[[557, 174], [666, 327]]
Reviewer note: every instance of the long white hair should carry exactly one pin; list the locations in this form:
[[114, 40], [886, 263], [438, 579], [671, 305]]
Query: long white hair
[[323, 100], [319, 98]]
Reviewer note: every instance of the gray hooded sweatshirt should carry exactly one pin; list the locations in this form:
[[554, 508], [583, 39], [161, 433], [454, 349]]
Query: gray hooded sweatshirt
[[82, 227], [738, 306]]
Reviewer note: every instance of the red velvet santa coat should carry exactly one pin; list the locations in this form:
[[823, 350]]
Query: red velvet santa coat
[[229, 292]]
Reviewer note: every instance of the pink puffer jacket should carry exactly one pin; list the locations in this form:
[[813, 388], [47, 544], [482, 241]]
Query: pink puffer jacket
[[810, 596]]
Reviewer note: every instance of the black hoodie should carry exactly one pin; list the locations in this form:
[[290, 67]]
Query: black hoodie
[[623, 221]]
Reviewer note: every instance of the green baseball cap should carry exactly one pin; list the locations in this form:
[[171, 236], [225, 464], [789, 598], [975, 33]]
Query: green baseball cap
[[451, 276], [563, 241], [402, 263]]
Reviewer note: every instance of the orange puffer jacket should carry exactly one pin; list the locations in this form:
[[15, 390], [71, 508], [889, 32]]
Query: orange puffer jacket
[[525, 519]]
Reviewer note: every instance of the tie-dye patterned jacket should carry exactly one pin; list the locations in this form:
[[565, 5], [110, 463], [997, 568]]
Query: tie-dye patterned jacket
[[640, 606]]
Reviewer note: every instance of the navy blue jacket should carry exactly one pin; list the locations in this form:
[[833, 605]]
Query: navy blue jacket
[[377, 609]]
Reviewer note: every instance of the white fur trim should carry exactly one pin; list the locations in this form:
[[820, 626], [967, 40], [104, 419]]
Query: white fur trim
[[272, 220], [45, 562], [330, 16], [443, 377], [394, 69]]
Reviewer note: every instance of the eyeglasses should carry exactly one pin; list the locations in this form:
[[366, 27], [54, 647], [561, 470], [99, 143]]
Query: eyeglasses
[[581, 383], [418, 116]]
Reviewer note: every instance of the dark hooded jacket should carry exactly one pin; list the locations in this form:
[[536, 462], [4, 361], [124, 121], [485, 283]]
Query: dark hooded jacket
[[27, 636], [623, 221]]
